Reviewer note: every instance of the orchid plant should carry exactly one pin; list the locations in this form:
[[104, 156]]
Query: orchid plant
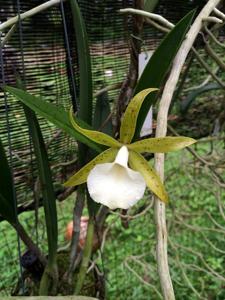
[[117, 178]]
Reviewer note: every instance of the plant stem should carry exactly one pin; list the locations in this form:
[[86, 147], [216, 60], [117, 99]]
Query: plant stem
[[86, 256], [85, 114], [213, 37], [214, 56], [160, 215], [207, 68], [152, 16], [8, 35], [78, 209], [49, 279]]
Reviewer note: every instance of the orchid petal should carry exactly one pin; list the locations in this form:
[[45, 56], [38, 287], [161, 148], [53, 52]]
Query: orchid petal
[[130, 116], [96, 136], [138, 162], [114, 184], [161, 145], [81, 176]]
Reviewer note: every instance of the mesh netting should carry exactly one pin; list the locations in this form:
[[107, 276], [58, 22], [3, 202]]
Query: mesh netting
[[41, 41], [47, 74]]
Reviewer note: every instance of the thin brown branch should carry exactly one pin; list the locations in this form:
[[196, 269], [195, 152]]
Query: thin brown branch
[[214, 56], [212, 36]]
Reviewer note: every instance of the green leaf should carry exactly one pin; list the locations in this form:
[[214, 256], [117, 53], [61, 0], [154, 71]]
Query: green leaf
[[96, 136], [150, 5], [7, 203], [45, 176], [186, 103], [46, 181], [81, 176], [130, 116], [6, 211], [102, 112], [161, 145], [138, 163], [54, 114], [84, 61], [159, 64], [6, 183]]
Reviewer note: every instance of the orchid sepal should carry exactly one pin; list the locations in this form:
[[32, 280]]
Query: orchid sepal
[[81, 176], [96, 136], [152, 179], [129, 120], [161, 145]]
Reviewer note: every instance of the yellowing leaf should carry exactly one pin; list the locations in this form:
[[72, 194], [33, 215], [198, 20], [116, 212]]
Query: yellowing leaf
[[161, 145], [81, 176], [96, 136], [129, 120], [138, 163]]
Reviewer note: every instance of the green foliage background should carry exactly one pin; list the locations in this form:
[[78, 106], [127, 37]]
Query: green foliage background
[[192, 208]]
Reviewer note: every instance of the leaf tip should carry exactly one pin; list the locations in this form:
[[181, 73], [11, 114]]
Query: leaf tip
[[164, 198], [68, 183], [192, 141]]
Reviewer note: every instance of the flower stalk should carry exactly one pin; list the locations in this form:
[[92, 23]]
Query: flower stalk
[[86, 257]]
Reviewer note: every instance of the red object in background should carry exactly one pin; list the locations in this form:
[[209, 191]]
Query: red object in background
[[83, 231]]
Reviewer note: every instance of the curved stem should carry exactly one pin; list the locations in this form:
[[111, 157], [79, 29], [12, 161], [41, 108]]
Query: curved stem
[[207, 68], [160, 213], [213, 37], [214, 56], [86, 256]]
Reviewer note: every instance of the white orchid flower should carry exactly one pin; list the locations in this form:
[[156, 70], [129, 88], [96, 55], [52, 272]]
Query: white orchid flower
[[109, 179], [115, 184]]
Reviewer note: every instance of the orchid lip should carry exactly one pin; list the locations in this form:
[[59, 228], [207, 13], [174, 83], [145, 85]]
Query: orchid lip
[[115, 184]]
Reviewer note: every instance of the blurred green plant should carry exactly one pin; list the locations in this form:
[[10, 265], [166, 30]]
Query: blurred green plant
[[8, 209], [187, 102]]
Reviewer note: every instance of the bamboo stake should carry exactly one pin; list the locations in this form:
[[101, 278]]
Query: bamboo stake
[[160, 211]]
